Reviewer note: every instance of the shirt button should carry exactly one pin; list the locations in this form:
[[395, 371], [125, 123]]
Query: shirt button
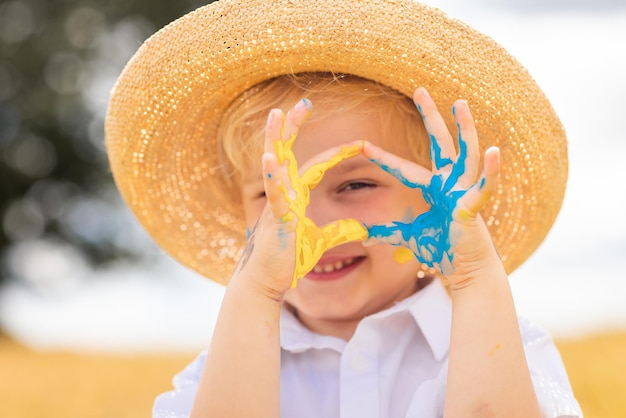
[[360, 363]]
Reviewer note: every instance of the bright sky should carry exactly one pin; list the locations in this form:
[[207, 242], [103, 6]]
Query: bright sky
[[572, 286]]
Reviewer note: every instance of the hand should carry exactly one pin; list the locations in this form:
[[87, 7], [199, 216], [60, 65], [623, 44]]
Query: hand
[[295, 242], [451, 235]]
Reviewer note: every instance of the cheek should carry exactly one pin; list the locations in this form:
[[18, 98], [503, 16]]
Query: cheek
[[402, 204], [392, 259], [409, 201], [419, 204]]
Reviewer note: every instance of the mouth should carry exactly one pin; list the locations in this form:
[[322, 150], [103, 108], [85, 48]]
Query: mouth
[[334, 269]]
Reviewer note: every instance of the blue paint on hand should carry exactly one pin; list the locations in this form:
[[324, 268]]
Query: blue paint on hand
[[435, 154], [419, 109], [397, 174], [428, 235]]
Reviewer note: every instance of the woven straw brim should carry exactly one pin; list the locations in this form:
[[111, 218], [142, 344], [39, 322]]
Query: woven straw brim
[[167, 105]]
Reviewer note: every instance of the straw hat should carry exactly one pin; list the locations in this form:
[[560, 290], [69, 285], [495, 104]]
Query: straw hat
[[167, 105]]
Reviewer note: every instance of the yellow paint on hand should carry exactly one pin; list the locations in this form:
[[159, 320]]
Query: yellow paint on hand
[[311, 240], [470, 213], [494, 349]]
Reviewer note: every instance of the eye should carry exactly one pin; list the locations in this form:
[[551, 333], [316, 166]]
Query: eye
[[356, 185]]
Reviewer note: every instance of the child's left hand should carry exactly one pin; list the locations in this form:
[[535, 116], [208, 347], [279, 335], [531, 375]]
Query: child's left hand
[[451, 234]]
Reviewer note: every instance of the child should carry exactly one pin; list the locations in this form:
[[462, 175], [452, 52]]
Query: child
[[324, 314]]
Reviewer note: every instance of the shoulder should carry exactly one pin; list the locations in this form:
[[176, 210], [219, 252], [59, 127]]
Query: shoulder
[[548, 373], [179, 401]]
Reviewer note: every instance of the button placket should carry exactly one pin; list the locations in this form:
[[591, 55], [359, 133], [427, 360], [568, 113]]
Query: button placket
[[360, 363], [359, 380]]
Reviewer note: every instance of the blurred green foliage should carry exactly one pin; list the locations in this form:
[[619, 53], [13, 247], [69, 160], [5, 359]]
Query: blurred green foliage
[[58, 62]]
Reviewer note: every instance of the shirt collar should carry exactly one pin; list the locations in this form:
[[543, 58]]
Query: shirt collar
[[296, 338], [430, 307]]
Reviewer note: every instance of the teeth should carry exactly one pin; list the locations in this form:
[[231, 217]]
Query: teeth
[[328, 268]]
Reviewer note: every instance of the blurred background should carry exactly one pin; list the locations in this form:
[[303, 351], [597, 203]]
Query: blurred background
[[94, 316]]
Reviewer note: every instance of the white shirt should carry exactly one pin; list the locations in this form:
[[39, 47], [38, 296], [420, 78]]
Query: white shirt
[[394, 366]]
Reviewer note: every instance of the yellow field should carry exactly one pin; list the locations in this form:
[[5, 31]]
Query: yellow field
[[63, 385]]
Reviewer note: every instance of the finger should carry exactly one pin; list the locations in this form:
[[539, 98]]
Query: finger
[[442, 151], [384, 234], [273, 131], [466, 166], [343, 231], [274, 144], [408, 173], [315, 168], [275, 189], [296, 118], [479, 194]]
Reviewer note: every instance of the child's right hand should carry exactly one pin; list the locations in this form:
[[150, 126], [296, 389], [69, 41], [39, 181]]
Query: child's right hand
[[286, 243]]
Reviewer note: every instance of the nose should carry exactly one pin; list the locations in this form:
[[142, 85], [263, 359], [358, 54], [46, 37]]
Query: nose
[[321, 209]]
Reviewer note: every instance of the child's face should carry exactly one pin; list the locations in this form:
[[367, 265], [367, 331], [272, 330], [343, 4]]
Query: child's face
[[352, 280]]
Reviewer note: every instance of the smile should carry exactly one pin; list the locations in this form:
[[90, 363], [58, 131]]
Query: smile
[[337, 265]]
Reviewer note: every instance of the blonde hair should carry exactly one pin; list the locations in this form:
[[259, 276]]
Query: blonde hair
[[241, 133]]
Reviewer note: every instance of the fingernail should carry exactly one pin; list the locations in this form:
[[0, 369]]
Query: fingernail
[[426, 94], [304, 103]]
